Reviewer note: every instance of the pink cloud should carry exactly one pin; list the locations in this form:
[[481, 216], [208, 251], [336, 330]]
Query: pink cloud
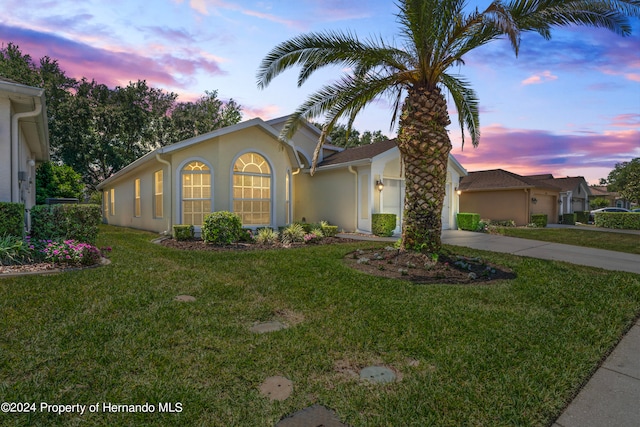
[[265, 112], [202, 7], [543, 77], [533, 151]]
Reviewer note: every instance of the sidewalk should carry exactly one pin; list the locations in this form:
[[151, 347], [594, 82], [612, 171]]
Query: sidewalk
[[611, 398]]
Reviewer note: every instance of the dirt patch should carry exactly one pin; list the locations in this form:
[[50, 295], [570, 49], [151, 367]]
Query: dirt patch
[[420, 268]]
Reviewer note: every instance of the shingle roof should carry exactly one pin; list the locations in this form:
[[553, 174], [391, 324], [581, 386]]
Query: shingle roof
[[358, 153], [500, 179], [565, 184]]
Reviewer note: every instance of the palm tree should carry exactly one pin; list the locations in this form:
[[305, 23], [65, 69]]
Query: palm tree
[[436, 35]]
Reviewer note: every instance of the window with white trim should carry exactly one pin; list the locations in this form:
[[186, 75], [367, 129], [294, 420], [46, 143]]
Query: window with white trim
[[252, 189], [196, 193]]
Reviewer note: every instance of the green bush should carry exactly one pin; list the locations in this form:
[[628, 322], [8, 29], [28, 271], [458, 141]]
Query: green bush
[[540, 220], [294, 233], [582, 217], [468, 221], [14, 250], [267, 236], [328, 230], [183, 232], [383, 224], [569, 219], [69, 222], [11, 219], [621, 220], [222, 228]]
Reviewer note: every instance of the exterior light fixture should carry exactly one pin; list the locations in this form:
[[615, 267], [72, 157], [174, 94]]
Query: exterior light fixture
[[458, 191], [534, 200], [379, 185]]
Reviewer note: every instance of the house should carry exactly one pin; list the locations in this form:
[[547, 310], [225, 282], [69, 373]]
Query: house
[[247, 169], [614, 199], [574, 192], [501, 195], [24, 141]]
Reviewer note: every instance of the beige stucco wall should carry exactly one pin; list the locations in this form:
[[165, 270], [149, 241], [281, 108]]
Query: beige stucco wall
[[5, 149], [219, 154], [497, 205], [546, 203], [329, 195]]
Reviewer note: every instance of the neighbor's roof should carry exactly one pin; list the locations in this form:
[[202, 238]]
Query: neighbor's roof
[[569, 183], [500, 179]]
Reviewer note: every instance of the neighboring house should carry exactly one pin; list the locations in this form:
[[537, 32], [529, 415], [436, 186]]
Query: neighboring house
[[500, 195], [24, 141], [246, 168], [600, 191], [574, 192]]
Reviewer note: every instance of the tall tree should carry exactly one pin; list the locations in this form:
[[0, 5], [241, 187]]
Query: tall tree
[[435, 35], [625, 179], [53, 181]]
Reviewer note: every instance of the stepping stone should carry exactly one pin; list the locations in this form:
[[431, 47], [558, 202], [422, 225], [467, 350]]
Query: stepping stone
[[313, 416], [276, 388], [378, 374], [261, 328], [184, 298]]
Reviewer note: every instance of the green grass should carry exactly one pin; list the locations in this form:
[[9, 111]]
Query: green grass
[[509, 353], [612, 241]]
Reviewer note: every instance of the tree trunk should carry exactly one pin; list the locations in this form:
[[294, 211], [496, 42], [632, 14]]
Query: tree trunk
[[424, 146]]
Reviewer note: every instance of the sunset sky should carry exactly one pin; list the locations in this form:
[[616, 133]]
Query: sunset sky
[[569, 106]]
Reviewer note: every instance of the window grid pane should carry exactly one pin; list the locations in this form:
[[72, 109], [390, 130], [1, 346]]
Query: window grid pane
[[158, 199], [196, 193], [252, 189]]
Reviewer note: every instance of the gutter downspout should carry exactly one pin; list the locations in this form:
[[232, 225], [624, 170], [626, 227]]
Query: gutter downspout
[[167, 232], [15, 190], [355, 215]]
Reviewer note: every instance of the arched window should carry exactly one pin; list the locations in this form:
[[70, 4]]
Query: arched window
[[252, 189], [196, 192]]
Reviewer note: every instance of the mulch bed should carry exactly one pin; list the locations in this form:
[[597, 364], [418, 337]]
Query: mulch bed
[[200, 245]]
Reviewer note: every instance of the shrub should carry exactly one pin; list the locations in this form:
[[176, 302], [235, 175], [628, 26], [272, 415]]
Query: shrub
[[294, 233], [183, 232], [621, 220], [14, 250], [267, 236], [66, 222], [540, 220], [582, 217], [383, 224], [221, 228], [569, 219], [11, 219], [468, 221], [503, 223], [72, 253], [327, 229]]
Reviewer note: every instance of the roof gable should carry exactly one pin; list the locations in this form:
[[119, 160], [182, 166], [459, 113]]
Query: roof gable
[[500, 179]]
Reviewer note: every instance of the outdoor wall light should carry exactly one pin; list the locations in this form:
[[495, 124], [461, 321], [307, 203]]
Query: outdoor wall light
[[379, 185], [458, 191], [534, 200]]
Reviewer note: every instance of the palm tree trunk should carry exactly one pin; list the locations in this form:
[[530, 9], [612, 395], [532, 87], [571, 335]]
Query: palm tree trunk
[[424, 146]]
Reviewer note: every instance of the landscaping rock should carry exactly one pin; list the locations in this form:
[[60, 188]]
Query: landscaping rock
[[378, 374], [276, 388], [313, 416], [264, 327]]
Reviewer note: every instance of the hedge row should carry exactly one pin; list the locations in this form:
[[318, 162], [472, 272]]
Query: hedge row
[[383, 224], [468, 221], [69, 222], [621, 220], [11, 219]]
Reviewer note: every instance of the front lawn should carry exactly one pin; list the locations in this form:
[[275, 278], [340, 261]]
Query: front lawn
[[508, 353], [620, 242]]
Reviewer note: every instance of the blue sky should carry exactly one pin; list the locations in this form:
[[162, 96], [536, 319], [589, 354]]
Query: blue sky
[[569, 106]]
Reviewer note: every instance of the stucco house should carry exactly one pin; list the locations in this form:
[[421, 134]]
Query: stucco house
[[246, 168], [501, 195], [613, 197], [574, 192], [24, 141]]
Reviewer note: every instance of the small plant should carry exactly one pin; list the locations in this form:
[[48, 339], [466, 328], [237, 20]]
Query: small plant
[[312, 237], [327, 229], [293, 233], [364, 260], [14, 250], [71, 252], [221, 228], [266, 236], [403, 271], [183, 232]]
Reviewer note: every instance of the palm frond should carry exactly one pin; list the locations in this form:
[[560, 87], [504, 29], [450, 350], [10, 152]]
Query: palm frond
[[466, 101]]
